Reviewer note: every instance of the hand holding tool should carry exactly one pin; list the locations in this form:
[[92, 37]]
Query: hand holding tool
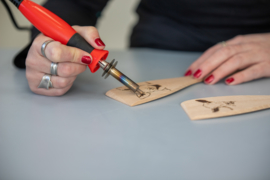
[[56, 28]]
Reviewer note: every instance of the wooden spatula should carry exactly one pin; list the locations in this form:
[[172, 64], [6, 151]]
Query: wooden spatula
[[213, 107], [153, 90]]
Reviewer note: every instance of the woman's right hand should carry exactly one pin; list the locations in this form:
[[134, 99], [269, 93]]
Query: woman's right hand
[[71, 61]]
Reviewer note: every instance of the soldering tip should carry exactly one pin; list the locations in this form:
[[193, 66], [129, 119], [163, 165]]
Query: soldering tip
[[139, 93]]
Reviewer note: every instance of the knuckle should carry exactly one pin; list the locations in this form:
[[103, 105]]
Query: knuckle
[[30, 62], [86, 31], [194, 65], [225, 51], [28, 75], [38, 41], [254, 73], [63, 82], [249, 74], [241, 76], [55, 52], [220, 71], [34, 89], [266, 67], [75, 26], [260, 70], [237, 61], [90, 30], [67, 70], [75, 56], [238, 38], [264, 52]]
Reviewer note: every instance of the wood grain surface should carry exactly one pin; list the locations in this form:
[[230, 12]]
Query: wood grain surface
[[212, 107], [154, 90]]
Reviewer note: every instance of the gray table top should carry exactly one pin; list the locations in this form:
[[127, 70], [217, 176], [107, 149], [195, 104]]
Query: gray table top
[[85, 135]]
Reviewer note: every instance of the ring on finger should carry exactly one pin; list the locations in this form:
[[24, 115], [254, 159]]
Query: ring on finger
[[223, 43], [54, 68], [46, 82], [43, 47]]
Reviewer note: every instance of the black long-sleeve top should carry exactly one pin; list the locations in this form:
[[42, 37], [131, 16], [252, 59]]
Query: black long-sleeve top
[[183, 25]]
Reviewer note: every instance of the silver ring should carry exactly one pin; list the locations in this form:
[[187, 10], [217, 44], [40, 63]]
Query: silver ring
[[46, 82], [223, 43], [54, 68], [43, 47]]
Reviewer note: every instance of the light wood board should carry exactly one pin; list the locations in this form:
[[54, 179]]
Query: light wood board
[[213, 107], [154, 90]]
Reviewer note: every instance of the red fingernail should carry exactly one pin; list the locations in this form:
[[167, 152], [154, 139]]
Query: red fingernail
[[99, 42], [198, 73], [188, 73], [229, 80], [209, 79], [86, 59]]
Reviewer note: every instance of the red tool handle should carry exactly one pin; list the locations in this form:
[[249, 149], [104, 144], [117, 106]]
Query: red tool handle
[[56, 28]]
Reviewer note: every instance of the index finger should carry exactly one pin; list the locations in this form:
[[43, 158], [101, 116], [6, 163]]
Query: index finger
[[202, 58], [219, 57], [57, 52]]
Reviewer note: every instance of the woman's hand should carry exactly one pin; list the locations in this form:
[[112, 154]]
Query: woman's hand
[[240, 59], [71, 62]]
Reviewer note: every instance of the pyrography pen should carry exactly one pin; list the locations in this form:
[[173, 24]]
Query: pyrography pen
[[56, 28]]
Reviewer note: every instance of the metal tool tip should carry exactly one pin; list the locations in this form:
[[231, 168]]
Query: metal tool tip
[[139, 93]]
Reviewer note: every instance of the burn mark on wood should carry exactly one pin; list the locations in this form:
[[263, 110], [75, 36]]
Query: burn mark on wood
[[229, 102], [148, 88], [203, 101], [216, 109], [215, 106], [157, 86]]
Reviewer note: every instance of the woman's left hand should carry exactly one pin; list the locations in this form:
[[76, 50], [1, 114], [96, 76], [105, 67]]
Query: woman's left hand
[[241, 59]]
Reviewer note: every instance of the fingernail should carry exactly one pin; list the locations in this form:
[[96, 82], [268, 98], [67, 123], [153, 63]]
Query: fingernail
[[86, 59], [99, 42], [198, 73], [209, 79], [229, 80], [188, 73]]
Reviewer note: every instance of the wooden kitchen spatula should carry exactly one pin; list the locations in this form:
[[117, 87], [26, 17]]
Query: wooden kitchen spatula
[[213, 107], [153, 90]]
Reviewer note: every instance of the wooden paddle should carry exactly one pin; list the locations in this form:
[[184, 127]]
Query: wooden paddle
[[153, 90], [213, 107]]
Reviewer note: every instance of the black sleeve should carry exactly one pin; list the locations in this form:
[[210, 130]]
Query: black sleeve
[[74, 12]]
